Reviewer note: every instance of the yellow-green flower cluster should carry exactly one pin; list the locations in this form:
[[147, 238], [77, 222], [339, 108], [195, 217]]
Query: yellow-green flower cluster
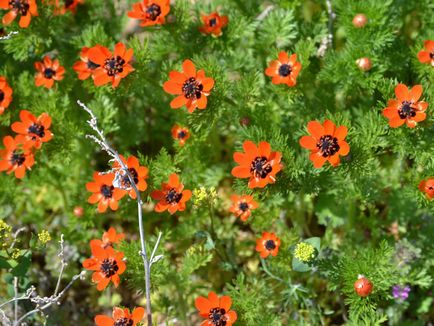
[[201, 194], [304, 252], [5, 233], [16, 253], [44, 236]]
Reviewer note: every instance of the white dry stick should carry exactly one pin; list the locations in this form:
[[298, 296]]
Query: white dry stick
[[8, 36], [327, 41], [103, 143], [264, 13]]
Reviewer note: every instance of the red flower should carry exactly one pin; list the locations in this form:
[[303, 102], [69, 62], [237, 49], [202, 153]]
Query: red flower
[[104, 193], [107, 265], [5, 94], [268, 245], [139, 174], [109, 238], [242, 206], [85, 68], [26, 8], [216, 310], [62, 6], [326, 143], [121, 317], [427, 186], [191, 87], [407, 108], [181, 134], [48, 72], [427, 55], [15, 157], [150, 12], [33, 131], [172, 196], [112, 67], [285, 70], [258, 163], [213, 24]]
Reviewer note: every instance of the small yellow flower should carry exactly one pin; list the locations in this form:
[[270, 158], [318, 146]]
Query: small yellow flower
[[304, 252], [16, 254], [201, 194], [44, 236], [5, 233]]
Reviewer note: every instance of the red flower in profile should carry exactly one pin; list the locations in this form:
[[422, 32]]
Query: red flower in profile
[[33, 131], [285, 70], [427, 55], [107, 265], [85, 68], [109, 238], [172, 196], [427, 187], [150, 12], [5, 94], [191, 87], [213, 24], [216, 310], [121, 317], [407, 108], [139, 174], [326, 143], [62, 6], [268, 245], [112, 66], [48, 72], [258, 163], [242, 206], [15, 157], [181, 134], [104, 193], [25, 8]]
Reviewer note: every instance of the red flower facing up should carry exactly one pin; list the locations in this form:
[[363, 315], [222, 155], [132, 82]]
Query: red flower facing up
[[25, 8], [181, 134], [407, 108], [15, 157], [85, 68], [427, 187], [242, 206], [112, 66], [213, 24], [172, 196], [109, 238], [191, 87], [216, 310], [48, 72], [150, 12], [139, 174], [107, 265], [326, 143], [121, 317], [33, 131], [5, 94], [284, 70], [427, 55], [104, 193], [258, 163], [268, 245]]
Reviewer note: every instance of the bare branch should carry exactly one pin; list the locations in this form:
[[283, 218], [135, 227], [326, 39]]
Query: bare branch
[[8, 36]]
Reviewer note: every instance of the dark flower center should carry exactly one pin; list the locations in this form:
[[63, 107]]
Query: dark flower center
[[243, 206], [328, 145], [49, 73], [285, 70], [431, 55], [37, 129], [217, 316], [19, 5], [270, 245], [192, 89], [126, 181], [68, 3], [109, 267], [2, 31], [114, 65], [17, 158], [406, 111], [260, 167], [182, 134], [153, 11], [107, 191], [173, 196], [92, 65], [124, 322], [213, 22], [2, 95]]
